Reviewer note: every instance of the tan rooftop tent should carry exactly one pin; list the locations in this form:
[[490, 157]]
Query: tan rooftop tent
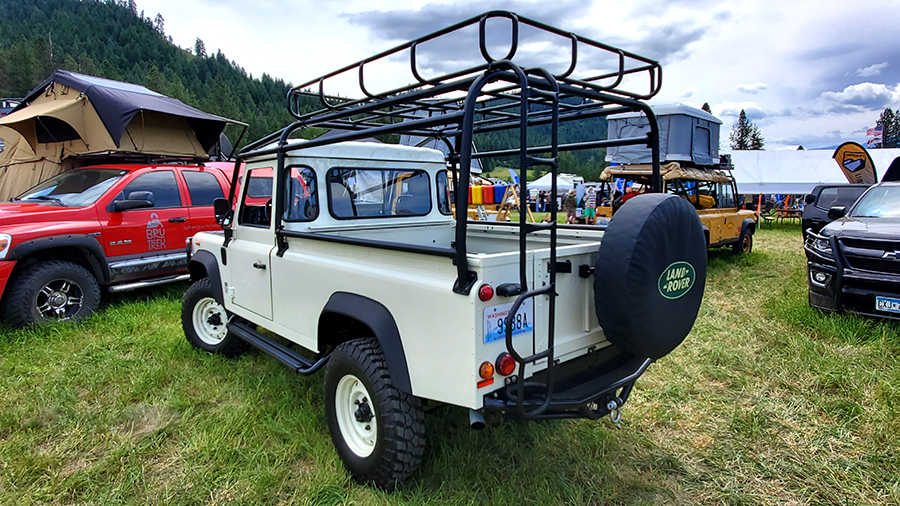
[[672, 170], [73, 119]]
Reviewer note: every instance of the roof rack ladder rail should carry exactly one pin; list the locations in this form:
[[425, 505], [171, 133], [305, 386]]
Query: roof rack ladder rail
[[526, 161]]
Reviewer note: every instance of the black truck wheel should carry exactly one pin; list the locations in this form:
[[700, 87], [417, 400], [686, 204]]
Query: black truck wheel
[[205, 321], [378, 431], [51, 290], [650, 274]]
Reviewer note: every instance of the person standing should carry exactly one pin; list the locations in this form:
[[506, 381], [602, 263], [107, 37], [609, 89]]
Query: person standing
[[571, 204], [590, 207]]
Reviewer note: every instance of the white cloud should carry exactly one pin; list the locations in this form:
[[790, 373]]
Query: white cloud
[[861, 97], [872, 70], [728, 109], [752, 89]]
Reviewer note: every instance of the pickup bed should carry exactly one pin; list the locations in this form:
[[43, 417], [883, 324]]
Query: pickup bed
[[349, 257], [121, 226]]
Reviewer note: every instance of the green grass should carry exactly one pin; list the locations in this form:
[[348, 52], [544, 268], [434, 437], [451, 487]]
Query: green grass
[[767, 402]]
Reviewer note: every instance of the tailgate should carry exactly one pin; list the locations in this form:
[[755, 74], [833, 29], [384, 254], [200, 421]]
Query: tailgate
[[576, 325]]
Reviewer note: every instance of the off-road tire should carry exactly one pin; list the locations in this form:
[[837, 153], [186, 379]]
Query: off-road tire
[[34, 293], [393, 453], [204, 321], [744, 244]]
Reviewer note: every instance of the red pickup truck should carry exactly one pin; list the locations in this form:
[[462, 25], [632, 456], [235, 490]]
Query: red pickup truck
[[121, 226]]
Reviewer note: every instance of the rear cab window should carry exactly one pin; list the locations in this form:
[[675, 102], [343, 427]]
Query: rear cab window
[[378, 193]]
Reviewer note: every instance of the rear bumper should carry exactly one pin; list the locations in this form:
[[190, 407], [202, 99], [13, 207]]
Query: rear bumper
[[581, 388], [6, 268]]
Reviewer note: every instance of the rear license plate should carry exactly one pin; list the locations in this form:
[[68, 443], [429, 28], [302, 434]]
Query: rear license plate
[[495, 321], [888, 304]]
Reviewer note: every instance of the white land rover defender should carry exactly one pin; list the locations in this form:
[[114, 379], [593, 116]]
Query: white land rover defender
[[347, 255]]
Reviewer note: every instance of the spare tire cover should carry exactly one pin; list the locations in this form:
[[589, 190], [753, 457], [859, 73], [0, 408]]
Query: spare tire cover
[[650, 274]]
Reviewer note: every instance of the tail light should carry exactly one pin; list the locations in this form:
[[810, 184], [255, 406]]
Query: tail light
[[486, 292], [506, 364], [486, 371]]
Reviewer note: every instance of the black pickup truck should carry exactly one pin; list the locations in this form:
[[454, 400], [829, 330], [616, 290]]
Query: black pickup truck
[[853, 263]]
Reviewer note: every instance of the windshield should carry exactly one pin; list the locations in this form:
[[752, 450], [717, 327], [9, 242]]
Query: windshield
[[75, 188], [880, 201]]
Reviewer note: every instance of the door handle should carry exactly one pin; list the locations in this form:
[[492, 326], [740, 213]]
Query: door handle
[[180, 219], [259, 265]]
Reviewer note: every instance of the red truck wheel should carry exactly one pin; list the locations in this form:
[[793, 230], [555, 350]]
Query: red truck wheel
[[49, 291]]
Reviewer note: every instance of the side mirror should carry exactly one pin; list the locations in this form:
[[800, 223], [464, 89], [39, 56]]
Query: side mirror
[[810, 199], [740, 201], [221, 208], [123, 205], [837, 212]]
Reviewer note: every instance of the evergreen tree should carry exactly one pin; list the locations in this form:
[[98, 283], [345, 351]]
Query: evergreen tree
[[745, 135], [890, 128], [159, 24], [200, 48]]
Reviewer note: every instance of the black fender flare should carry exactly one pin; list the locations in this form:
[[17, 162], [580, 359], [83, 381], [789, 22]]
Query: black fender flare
[[380, 321], [748, 224], [706, 234], [88, 244], [204, 264]]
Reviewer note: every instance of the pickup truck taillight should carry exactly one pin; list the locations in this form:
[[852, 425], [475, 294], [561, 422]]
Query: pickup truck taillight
[[486, 292]]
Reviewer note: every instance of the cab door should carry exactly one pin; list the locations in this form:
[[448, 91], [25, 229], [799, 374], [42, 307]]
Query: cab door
[[147, 241], [253, 244]]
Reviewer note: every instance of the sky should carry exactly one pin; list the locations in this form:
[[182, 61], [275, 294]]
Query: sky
[[807, 72]]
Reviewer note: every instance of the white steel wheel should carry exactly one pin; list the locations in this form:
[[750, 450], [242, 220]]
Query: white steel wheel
[[356, 415], [209, 321], [378, 430], [205, 321]]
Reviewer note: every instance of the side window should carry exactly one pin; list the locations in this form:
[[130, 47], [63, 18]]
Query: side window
[[726, 195], [158, 187], [256, 203], [443, 193], [373, 193], [301, 197], [836, 197], [203, 187]]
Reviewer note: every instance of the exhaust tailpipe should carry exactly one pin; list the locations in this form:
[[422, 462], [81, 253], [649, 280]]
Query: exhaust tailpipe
[[476, 419]]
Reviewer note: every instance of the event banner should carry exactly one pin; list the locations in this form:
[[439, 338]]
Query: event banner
[[856, 163]]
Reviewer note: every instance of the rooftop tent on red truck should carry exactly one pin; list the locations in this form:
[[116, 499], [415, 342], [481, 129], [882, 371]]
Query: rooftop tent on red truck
[[401, 302]]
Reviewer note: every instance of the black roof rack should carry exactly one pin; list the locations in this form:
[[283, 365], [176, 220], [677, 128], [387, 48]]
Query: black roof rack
[[492, 94]]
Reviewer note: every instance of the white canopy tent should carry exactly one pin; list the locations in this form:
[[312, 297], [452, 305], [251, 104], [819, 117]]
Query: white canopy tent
[[795, 172], [545, 182]]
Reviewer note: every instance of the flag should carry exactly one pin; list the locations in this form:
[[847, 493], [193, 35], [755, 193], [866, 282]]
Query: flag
[[874, 132], [856, 163]]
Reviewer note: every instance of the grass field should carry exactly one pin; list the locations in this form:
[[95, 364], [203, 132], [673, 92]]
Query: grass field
[[766, 402]]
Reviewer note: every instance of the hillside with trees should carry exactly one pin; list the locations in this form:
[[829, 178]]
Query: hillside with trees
[[116, 40]]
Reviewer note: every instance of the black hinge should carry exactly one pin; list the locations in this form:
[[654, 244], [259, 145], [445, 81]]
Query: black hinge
[[586, 271]]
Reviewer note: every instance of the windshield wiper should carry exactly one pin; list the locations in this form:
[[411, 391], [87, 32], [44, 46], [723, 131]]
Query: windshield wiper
[[45, 197]]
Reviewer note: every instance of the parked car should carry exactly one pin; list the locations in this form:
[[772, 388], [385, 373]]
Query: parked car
[[122, 226], [853, 263], [824, 197], [355, 263]]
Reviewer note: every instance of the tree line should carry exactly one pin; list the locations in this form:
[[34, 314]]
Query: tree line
[[115, 40]]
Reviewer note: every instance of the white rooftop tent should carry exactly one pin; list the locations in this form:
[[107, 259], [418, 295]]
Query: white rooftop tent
[[794, 172]]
